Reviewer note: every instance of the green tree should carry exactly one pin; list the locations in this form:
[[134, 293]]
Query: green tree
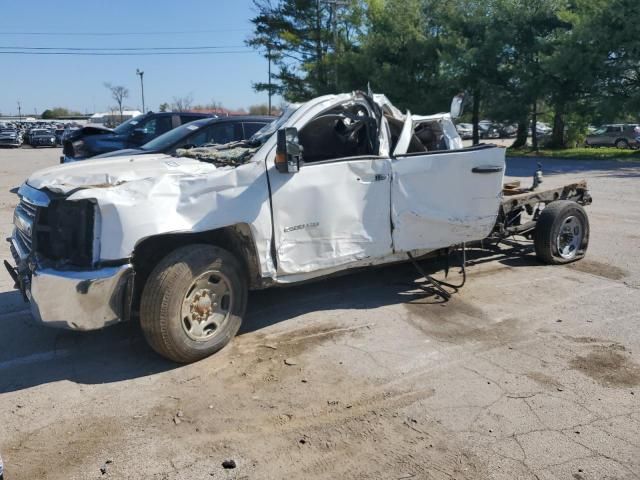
[[560, 60], [477, 52], [296, 33], [299, 37], [569, 65], [530, 28], [58, 112], [611, 30], [397, 54]]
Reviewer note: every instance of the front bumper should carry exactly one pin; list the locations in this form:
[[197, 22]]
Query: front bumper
[[42, 143], [74, 300]]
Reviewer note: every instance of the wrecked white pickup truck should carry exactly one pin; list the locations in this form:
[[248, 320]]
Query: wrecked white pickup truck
[[337, 183]]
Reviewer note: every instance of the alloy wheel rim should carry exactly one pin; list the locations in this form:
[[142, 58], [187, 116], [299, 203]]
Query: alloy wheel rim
[[569, 238]]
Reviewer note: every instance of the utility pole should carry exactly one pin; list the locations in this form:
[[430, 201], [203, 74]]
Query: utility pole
[[19, 111], [140, 73], [334, 5], [270, 90]]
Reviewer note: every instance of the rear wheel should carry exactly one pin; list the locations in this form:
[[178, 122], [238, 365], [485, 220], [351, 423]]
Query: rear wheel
[[193, 302], [562, 233], [622, 144]]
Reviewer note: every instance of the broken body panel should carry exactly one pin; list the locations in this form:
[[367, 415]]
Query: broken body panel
[[334, 214]]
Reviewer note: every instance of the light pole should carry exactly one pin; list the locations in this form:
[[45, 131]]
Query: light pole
[[141, 74], [19, 111], [270, 88]]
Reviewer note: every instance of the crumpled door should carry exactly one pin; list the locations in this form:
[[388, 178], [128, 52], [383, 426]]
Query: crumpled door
[[445, 198], [331, 214]]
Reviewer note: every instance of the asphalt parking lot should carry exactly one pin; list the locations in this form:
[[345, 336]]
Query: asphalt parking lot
[[529, 372]]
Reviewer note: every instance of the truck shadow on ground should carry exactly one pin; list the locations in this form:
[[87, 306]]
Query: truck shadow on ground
[[370, 288], [32, 355]]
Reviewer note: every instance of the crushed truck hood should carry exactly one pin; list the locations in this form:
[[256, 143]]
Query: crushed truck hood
[[111, 172]]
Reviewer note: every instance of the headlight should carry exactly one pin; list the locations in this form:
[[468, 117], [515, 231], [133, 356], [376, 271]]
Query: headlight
[[52, 139], [65, 232]]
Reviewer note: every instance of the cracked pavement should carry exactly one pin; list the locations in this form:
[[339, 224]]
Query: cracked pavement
[[529, 372]]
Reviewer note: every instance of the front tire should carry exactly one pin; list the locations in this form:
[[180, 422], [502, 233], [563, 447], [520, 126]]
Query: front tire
[[562, 233], [622, 144], [193, 302]]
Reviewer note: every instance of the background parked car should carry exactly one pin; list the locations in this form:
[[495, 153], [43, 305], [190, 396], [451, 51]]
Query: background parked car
[[201, 132], [42, 138], [543, 129], [488, 129], [10, 137], [94, 140], [507, 130], [617, 135], [465, 130], [58, 133]]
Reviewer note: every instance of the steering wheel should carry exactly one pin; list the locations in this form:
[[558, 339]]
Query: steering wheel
[[348, 133]]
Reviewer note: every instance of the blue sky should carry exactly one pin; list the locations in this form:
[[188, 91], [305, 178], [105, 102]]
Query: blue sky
[[43, 81]]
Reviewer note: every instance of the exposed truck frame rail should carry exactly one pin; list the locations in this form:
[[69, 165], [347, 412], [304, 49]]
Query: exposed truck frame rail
[[518, 201]]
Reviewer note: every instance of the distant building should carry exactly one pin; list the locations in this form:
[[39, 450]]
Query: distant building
[[113, 118]]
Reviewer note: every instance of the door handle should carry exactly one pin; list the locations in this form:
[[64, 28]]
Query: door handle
[[487, 169], [379, 177]]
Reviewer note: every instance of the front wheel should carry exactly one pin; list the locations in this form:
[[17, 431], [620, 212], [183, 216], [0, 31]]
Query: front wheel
[[562, 233], [193, 302], [622, 144]]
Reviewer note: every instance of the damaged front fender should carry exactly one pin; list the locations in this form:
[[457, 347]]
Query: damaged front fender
[[182, 203]]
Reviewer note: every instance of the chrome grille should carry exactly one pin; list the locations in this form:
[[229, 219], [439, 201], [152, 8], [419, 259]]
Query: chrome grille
[[28, 208], [24, 221], [25, 239], [32, 204]]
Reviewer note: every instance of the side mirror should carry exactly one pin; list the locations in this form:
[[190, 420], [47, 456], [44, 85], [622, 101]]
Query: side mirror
[[288, 151], [457, 105]]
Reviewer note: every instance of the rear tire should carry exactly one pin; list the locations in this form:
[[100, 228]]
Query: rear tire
[[622, 144], [193, 302], [562, 233]]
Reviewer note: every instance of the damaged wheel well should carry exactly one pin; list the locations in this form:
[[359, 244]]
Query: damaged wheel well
[[237, 239]]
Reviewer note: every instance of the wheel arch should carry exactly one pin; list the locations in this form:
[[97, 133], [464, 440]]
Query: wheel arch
[[237, 239]]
